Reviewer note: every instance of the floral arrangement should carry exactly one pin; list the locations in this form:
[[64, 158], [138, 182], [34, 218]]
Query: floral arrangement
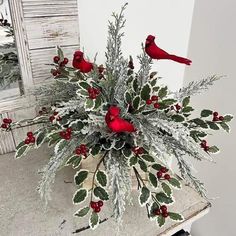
[[124, 121]]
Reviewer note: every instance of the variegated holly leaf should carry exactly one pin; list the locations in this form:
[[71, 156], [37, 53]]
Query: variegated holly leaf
[[82, 212], [101, 178], [144, 196], [80, 196]]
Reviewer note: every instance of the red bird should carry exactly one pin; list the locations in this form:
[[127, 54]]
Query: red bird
[[80, 63], [157, 53], [117, 124]]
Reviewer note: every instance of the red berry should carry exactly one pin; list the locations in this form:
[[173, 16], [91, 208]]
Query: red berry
[[163, 169], [100, 203], [4, 126], [167, 176], [32, 139], [54, 73], [204, 141], [157, 212], [30, 134], [83, 147], [5, 120], [165, 214], [154, 98], [55, 113], [62, 134], [93, 96], [97, 209], [90, 90], [78, 151], [69, 130], [159, 174], [62, 64], [156, 105], [27, 141], [221, 118], [215, 118], [215, 113], [9, 121], [51, 118], [67, 137], [56, 59], [178, 107], [149, 102], [206, 148], [163, 208], [140, 151], [135, 150], [96, 91], [93, 204], [66, 60]]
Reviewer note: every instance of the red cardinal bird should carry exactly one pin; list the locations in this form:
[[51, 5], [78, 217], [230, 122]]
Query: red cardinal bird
[[80, 63], [117, 124], [157, 53]]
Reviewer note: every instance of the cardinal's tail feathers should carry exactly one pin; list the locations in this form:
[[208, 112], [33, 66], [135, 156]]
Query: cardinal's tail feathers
[[180, 59]]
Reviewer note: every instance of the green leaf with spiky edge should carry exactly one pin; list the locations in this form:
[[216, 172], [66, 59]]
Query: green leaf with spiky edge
[[21, 151], [186, 101], [95, 150], [228, 118], [147, 158], [213, 125], [166, 188], [77, 125], [127, 152], [157, 167], [225, 127], [187, 109], [206, 113], [174, 182], [133, 160], [72, 159], [143, 165], [175, 216], [20, 145], [98, 102], [94, 220], [168, 102], [40, 138], [163, 198], [101, 178], [119, 144], [82, 212], [160, 220], [146, 91], [200, 122], [152, 179], [135, 85], [162, 92], [153, 207], [80, 196], [77, 162], [128, 97], [136, 102], [101, 193], [177, 118], [80, 177], [60, 146], [213, 149], [144, 196], [89, 104], [84, 85]]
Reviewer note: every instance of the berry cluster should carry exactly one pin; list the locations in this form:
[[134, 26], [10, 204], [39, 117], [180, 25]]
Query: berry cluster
[[204, 145], [66, 134], [161, 211], [154, 100], [57, 59], [138, 150], [6, 123], [54, 116], [176, 107], [163, 173], [96, 206], [100, 71], [30, 138], [82, 150], [216, 117], [93, 92]]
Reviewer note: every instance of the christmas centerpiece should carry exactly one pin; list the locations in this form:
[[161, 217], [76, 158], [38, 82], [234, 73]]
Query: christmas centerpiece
[[126, 122]]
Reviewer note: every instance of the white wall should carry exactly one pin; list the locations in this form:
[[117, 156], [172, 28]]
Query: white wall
[[169, 20], [213, 49]]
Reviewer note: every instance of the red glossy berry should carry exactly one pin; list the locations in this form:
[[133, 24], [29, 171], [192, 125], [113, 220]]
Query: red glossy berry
[[154, 98], [54, 73], [90, 90], [97, 209], [215, 113], [4, 126], [204, 141], [66, 60], [157, 212], [206, 148], [149, 102], [96, 91], [56, 59], [167, 176], [78, 151], [135, 150], [156, 105], [30, 134], [62, 134], [9, 121], [67, 137], [27, 141], [215, 118], [221, 118], [93, 204], [159, 174], [55, 113], [5, 120], [69, 130], [92, 96], [100, 203], [83, 148], [51, 118], [178, 107], [163, 169], [163, 208], [32, 139], [165, 214], [140, 151]]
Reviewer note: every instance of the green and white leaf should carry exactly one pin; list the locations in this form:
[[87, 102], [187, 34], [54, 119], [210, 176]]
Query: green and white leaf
[[101, 193], [225, 127], [133, 160], [94, 220], [41, 136], [152, 180], [80, 176], [82, 212], [22, 151], [147, 158], [175, 216], [163, 198], [146, 91], [175, 183], [166, 189], [160, 220], [80, 196], [145, 196], [101, 178]]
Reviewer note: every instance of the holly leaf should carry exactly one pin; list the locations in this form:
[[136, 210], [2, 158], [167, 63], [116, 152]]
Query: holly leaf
[[175, 216], [152, 179], [160, 220], [156, 167], [136, 102], [84, 85], [200, 122], [177, 118], [82, 212], [94, 220], [144, 196], [228, 118], [119, 144], [143, 165], [21, 151], [168, 101], [89, 104], [101, 193], [163, 198], [80, 177], [186, 101], [133, 160], [213, 149], [135, 85], [98, 102], [74, 160], [206, 113], [60, 146], [147, 158], [128, 98], [80, 196], [174, 182], [166, 188], [213, 125], [77, 125], [95, 149], [41, 136], [162, 92], [101, 178], [187, 109], [146, 91], [225, 127], [127, 152]]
